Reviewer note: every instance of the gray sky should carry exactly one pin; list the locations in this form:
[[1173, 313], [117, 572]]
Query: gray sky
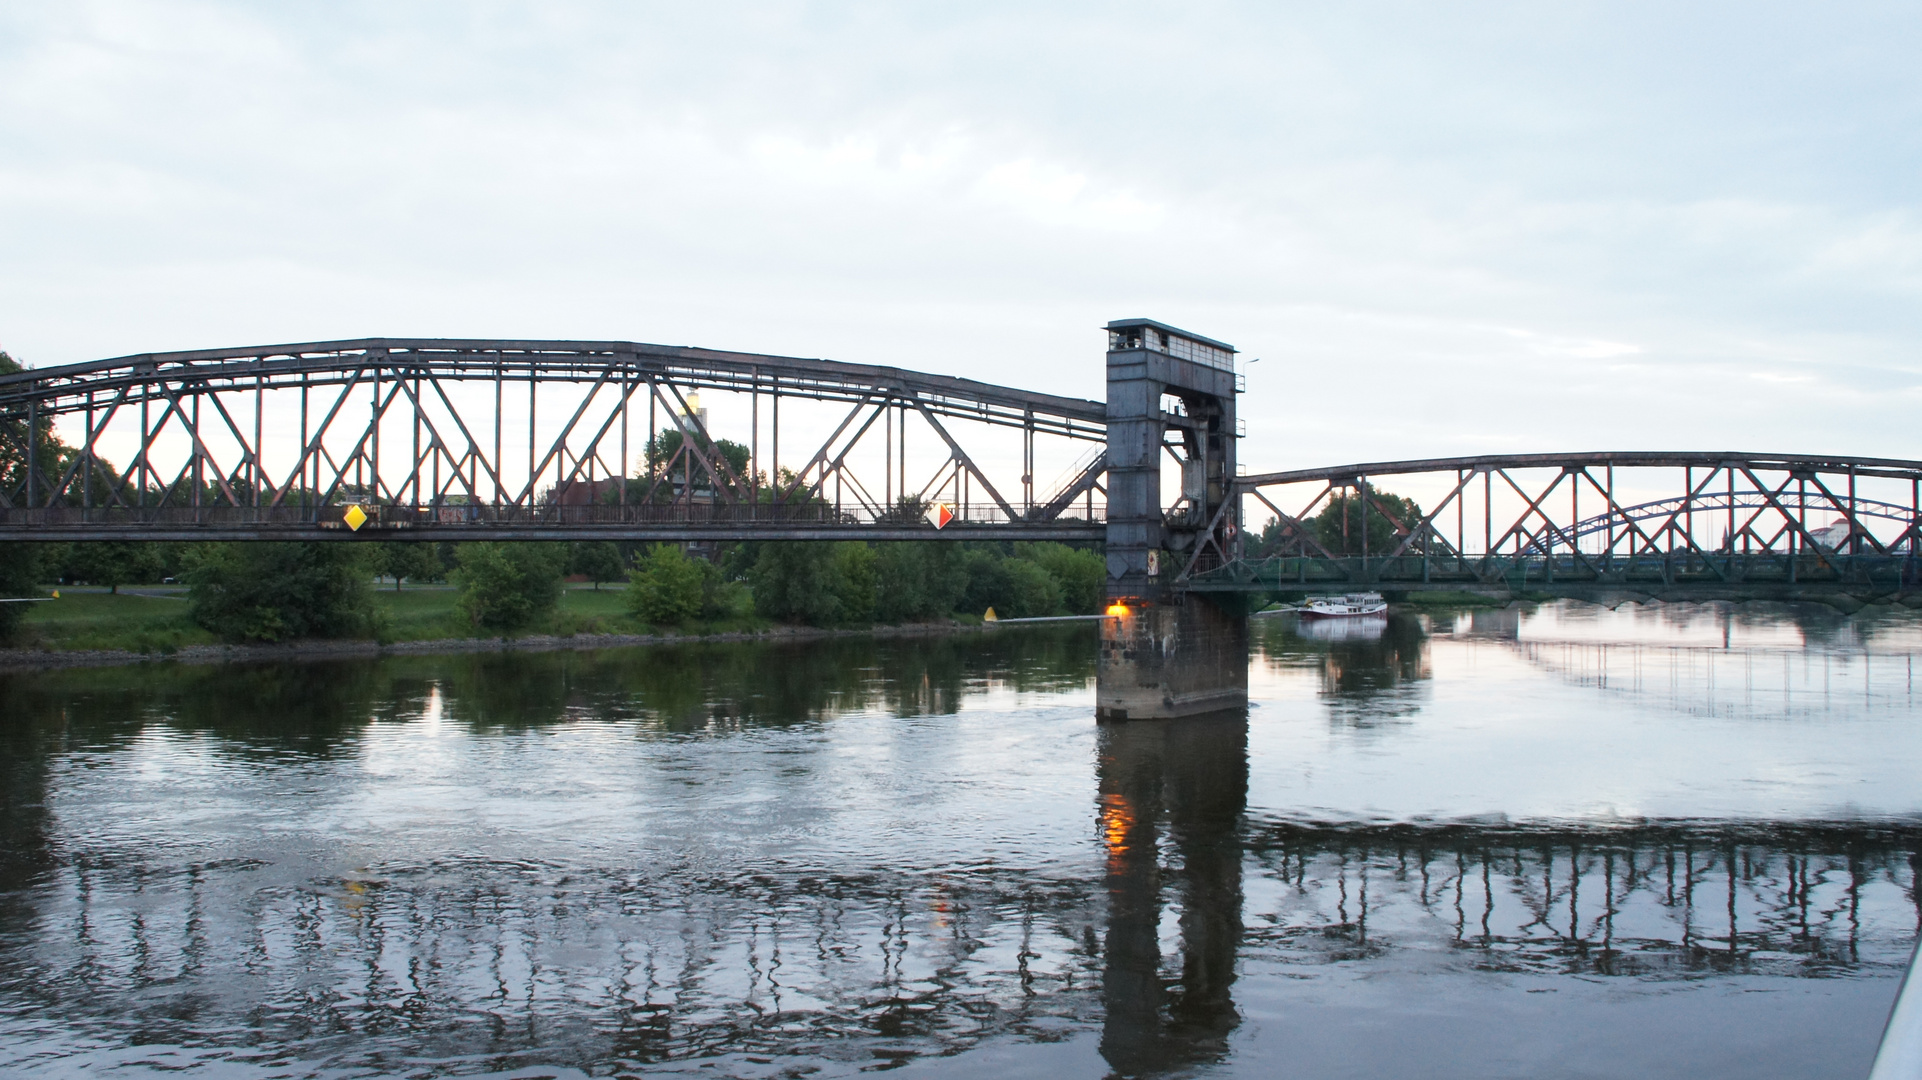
[[1442, 228]]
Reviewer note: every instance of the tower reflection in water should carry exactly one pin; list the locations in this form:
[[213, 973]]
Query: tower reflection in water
[[1172, 795]]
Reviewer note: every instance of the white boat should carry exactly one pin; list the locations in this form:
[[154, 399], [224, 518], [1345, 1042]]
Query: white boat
[[1364, 628], [1349, 606]]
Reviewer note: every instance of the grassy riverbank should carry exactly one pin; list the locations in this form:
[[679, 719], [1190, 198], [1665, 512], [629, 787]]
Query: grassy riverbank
[[155, 620]]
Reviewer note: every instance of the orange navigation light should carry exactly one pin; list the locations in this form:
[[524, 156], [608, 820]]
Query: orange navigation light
[[1117, 610], [1117, 817], [1117, 821]]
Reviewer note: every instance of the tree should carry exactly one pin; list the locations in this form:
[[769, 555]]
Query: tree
[[1339, 525], [597, 560], [666, 588], [19, 574], [855, 582], [989, 584], [412, 561], [280, 591], [1033, 594], [919, 580], [799, 581], [505, 586], [113, 563], [1080, 577], [50, 456], [1273, 539], [663, 451]]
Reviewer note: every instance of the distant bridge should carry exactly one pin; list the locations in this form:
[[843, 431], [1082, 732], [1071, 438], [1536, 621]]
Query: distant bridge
[[437, 439], [1735, 524]]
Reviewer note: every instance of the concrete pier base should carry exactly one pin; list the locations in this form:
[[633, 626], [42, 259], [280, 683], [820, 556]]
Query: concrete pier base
[[1169, 659]]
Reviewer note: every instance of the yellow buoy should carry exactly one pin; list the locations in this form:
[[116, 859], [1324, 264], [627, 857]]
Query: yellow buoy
[[990, 616]]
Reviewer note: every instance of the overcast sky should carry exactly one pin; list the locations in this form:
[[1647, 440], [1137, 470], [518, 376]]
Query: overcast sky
[[1442, 228]]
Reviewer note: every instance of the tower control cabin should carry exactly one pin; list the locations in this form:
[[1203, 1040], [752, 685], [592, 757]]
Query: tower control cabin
[[1171, 398], [1164, 381]]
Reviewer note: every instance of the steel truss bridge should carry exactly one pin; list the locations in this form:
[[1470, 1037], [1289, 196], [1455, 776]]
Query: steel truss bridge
[[436, 439], [1735, 524], [461, 440]]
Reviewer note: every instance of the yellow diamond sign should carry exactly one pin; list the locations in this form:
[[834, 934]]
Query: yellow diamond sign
[[355, 517]]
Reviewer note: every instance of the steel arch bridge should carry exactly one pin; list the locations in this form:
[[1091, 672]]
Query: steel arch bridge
[[455, 440], [442, 439], [1747, 524]]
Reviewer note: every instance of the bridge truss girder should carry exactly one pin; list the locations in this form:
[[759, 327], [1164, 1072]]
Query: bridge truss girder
[[204, 463], [1533, 534]]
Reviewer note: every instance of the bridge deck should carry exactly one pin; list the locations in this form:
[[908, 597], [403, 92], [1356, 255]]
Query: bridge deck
[[667, 522]]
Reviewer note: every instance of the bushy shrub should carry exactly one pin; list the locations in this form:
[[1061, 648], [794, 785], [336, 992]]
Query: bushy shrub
[[666, 587], [280, 591], [507, 586], [727, 600]]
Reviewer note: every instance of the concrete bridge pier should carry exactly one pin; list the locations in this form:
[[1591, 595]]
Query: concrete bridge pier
[[1171, 395], [1163, 660]]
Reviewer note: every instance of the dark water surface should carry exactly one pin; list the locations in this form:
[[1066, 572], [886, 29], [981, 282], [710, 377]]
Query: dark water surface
[[1568, 842]]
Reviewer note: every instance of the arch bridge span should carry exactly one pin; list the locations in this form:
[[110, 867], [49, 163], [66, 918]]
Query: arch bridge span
[[518, 439], [1681, 523]]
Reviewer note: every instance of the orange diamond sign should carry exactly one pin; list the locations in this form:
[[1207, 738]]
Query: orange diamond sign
[[355, 517], [941, 514]]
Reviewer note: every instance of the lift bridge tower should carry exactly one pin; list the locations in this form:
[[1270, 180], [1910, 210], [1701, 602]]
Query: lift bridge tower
[[1169, 653]]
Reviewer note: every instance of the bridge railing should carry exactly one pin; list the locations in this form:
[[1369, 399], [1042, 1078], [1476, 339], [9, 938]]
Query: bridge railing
[[392, 521]]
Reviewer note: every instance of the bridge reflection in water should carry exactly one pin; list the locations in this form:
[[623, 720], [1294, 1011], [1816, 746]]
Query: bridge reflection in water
[[672, 944], [1198, 886], [1696, 660]]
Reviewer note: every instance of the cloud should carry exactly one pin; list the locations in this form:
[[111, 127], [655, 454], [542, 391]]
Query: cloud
[[1056, 195], [1476, 227]]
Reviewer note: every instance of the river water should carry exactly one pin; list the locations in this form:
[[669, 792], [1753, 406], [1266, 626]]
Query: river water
[[1555, 842]]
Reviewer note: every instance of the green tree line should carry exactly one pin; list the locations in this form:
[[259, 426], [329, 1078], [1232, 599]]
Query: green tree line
[[265, 592]]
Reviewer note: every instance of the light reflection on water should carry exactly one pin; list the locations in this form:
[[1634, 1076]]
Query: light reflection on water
[[1562, 841]]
